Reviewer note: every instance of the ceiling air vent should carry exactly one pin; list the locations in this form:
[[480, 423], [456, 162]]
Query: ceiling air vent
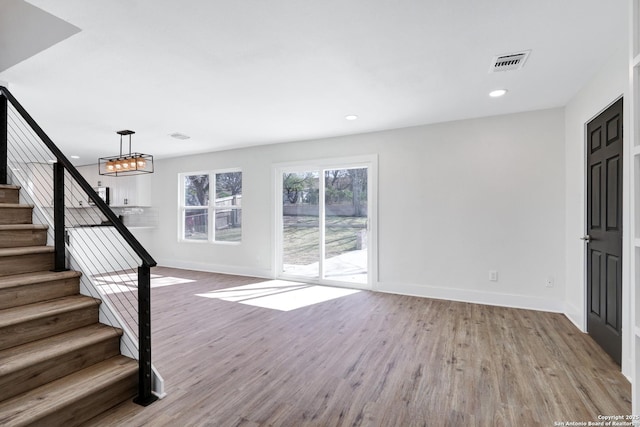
[[178, 135], [509, 61]]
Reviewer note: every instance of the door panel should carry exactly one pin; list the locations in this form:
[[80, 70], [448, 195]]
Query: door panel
[[613, 183], [595, 199], [595, 282], [596, 139], [300, 224], [613, 281], [614, 129], [345, 245], [604, 219]]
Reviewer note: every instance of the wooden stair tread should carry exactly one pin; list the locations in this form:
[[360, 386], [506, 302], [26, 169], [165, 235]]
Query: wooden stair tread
[[9, 187], [12, 227], [31, 406], [15, 206], [35, 277], [25, 313], [22, 356], [26, 250]]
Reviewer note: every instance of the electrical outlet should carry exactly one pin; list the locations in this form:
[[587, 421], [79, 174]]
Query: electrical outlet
[[493, 275], [549, 282]]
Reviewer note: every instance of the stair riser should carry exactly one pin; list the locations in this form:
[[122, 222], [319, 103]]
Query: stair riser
[[36, 375], [9, 195], [46, 326], [15, 215], [29, 294], [26, 263], [82, 410], [21, 238]]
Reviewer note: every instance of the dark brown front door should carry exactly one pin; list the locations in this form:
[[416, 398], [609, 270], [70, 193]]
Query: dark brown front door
[[604, 230]]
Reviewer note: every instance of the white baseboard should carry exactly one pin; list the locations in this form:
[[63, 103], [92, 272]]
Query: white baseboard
[[574, 315], [216, 268], [472, 296], [463, 295]]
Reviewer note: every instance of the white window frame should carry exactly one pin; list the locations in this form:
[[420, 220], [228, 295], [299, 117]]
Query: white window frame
[[368, 161], [211, 207]]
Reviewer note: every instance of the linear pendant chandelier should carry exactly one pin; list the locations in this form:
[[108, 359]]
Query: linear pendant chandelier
[[127, 163]]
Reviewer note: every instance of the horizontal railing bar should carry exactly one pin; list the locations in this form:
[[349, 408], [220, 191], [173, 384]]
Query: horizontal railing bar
[[146, 258]]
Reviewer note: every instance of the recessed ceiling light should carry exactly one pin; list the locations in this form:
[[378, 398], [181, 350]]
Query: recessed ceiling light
[[497, 93], [351, 117], [75, 157]]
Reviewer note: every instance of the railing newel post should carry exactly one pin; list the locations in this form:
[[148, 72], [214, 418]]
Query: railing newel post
[[4, 129], [145, 396], [58, 217]]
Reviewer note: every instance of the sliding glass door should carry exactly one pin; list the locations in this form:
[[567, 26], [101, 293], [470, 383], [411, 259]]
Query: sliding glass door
[[345, 225], [301, 224], [324, 224]]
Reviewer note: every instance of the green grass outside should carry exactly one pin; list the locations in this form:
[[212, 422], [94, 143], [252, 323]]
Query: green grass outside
[[232, 234], [301, 236]]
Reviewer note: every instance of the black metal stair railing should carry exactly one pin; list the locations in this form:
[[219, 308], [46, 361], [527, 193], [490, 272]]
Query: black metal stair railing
[[110, 258]]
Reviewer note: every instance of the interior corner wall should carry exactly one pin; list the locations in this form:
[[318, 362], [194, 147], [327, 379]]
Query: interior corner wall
[[603, 89], [455, 200]]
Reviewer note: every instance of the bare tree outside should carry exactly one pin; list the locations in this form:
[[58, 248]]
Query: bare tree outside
[[300, 187], [196, 219], [347, 187], [228, 207], [358, 190], [228, 184], [196, 190]]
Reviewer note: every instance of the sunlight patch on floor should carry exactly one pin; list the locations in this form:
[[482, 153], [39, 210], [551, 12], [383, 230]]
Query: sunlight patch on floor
[[160, 281], [279, 294], [128, 282]]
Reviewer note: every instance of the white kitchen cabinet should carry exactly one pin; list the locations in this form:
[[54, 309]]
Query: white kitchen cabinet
[[134, 190]]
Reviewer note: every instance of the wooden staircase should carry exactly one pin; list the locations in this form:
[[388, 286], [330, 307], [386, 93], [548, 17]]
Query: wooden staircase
[[58, 364]]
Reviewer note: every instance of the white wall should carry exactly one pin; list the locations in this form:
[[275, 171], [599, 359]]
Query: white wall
[[608, 85], [455, 201]]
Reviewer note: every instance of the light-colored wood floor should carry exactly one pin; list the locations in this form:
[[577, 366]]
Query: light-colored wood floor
[[367, 359]]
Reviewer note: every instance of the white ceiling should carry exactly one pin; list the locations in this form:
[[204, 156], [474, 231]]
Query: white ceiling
[[26, 30], [249, 72]]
